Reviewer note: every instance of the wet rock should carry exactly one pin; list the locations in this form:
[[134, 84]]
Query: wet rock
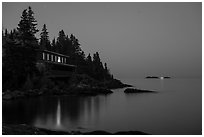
[[8, 129], [130, 133], [6, 97], [76, 133], [82, 85], [114, 84], [97, 132], [89, 91], [23, 129], [40, 93], [133, 90]]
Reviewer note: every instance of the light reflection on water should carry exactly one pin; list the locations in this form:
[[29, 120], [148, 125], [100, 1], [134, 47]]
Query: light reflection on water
[[176, 109], [70, 113]]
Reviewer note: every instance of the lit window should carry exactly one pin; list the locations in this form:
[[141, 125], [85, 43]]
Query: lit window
[[64, 60], [51, 57], [47, 56], [58, 60]]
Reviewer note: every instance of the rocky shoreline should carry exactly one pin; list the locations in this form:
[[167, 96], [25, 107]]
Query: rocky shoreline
[[80, 89], [22, 129], [77, 91], [134, 90]]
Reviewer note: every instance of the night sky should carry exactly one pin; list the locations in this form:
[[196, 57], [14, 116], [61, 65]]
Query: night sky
[[135, 39]]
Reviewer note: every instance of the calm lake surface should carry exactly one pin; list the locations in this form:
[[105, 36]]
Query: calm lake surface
[[175, 109]]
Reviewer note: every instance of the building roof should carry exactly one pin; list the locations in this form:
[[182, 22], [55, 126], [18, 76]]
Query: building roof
[[55, 53]]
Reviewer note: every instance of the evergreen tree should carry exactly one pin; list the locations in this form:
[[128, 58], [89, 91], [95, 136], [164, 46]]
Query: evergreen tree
[[53, 45], [44, 39], [97, 67], [32, 23], [27, 28], [70, 47], [89, 59], [106, 69], [89, 67], [60, 42], [106, 72], [75, 44], [20, 55], [6, 33]]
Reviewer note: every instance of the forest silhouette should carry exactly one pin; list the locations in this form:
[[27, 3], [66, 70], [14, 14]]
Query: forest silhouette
[[20, 48]]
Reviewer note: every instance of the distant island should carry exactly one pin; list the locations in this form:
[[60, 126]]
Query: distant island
[[156, 77]]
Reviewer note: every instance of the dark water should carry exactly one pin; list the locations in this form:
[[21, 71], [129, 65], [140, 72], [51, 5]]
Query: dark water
[[176, 109]]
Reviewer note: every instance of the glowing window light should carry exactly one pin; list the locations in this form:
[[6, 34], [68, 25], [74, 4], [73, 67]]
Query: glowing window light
[[51, 57], [58, 60], [48, 56], [64, 60]]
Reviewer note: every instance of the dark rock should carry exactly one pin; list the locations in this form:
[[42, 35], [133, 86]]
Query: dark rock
[[97, 132], [85, 80], [17, 94], [88, 91], [83, 85], [132, 90], [12, 95], [167, 77], [130, 133], [6, 97], [32, 93], [101, 90], [51, 132], [81, 89], [22, 129], [114, 84], [152, 77], [8, 129], [40, 93]]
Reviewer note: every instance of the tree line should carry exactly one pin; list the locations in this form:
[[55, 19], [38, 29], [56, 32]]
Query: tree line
[[20, 47]]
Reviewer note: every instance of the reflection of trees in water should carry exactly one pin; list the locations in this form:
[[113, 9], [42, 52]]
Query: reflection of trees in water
[[71, 108], [43, 110], [26, 110]]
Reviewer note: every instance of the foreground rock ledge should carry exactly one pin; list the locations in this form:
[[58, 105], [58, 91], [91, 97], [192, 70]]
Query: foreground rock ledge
[[134, 90], [22, 129], [77, 90], [83, 88]]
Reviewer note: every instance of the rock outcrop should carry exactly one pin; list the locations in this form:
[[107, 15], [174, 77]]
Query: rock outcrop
[[134, 90]]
